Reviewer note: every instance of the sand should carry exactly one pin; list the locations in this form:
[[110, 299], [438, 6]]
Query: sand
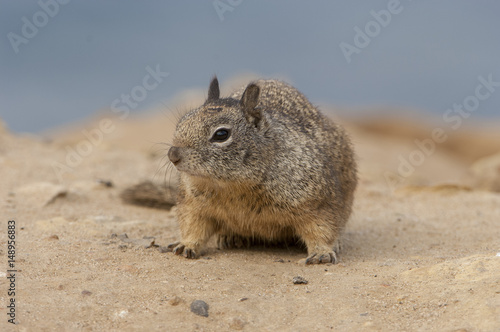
[[421, 251]]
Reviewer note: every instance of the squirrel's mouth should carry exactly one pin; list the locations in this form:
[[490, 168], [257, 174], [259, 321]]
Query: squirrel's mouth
[[183, 169]]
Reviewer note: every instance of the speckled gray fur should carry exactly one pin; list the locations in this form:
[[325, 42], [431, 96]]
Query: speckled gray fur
[[286, 171]]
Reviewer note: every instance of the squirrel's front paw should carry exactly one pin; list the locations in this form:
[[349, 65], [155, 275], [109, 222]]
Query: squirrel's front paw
[[321, 258], [179, 248]]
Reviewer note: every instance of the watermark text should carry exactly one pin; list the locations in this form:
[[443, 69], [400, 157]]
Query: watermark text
[[11, 271]]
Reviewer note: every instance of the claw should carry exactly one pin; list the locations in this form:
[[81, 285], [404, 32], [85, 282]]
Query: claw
[[323, 258], [171, 246], [189, 253], [179, 249], [312, 259]]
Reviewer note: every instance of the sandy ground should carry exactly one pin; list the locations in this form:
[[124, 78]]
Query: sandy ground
[[421, 252]]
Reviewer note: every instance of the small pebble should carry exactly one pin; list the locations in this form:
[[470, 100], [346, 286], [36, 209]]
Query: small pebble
[[86, 292], [299, 280], [243, 299], [199, 308], [53, 237]]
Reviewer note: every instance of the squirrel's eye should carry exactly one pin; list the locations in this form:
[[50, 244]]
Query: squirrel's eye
[[221, 135]]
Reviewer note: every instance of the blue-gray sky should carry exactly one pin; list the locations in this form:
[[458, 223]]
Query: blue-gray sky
[[428, 55]]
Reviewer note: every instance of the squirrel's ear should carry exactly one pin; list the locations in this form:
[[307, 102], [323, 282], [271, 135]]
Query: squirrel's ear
[[213, 90], [249, 101]]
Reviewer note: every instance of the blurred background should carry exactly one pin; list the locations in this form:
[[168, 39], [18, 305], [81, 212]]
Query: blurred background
[[62, 61]]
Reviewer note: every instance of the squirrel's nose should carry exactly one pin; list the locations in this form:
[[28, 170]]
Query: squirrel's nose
[[174, 155]]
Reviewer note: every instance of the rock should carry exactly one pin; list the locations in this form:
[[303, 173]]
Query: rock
[[199, 308], [151, 195], [86, 293], [486, 172], [39, 194], [299, 280]]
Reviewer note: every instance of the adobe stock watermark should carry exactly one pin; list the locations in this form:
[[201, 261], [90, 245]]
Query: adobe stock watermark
[[363, 37], [453, 118], [223, 6], [120, 106], [30, 27]]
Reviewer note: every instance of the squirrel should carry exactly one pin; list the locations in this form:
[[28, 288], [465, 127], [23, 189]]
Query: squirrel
[[262, 165]]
